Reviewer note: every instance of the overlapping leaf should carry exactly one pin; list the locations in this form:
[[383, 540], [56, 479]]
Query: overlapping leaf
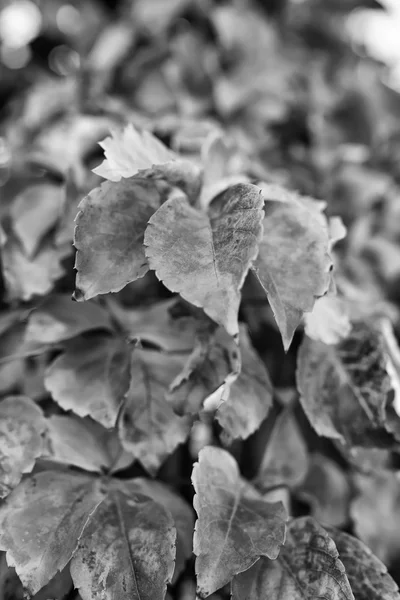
[[91, 377], [57, 318], [235, 525], [249, 396], [293, 262], [206, 257], [109, 236], [345, 389], [41, 522], [308, 566], [149, 428], [367, 575], [84, 443], [120, 539], [127, 548]]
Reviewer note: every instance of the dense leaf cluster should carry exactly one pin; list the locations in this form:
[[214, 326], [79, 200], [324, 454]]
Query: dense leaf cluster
[[199, 366]]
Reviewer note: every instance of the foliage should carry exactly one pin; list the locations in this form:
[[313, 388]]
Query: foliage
[[199, 365]]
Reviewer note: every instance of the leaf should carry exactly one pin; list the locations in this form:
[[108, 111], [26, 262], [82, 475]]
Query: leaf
[[21, 427], [235, 526], [85, 444], [91, 377], [121, 540], [27, 277], [129, 151], [285, 459], [109, 234], [182, 514], [41, 521], [327, 489], [213, 361], [157, 325], [127, 549], [328, 322], [249, 397], [58, 318], [293, 263], [34, 212], [221, 166], [308, 566], [11, 588], [375, 512], [149, 428], [206, 257], [344, 389], [367, 575]]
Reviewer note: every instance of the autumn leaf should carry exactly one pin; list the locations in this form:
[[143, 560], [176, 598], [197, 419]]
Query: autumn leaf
[[109, 234], [367, 575], [22, 425], [345, 388], [91, 377], [149, 428], [58, 318], [235, 526], [293, 263], [206, 257], [308, 566], [127, 549]]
